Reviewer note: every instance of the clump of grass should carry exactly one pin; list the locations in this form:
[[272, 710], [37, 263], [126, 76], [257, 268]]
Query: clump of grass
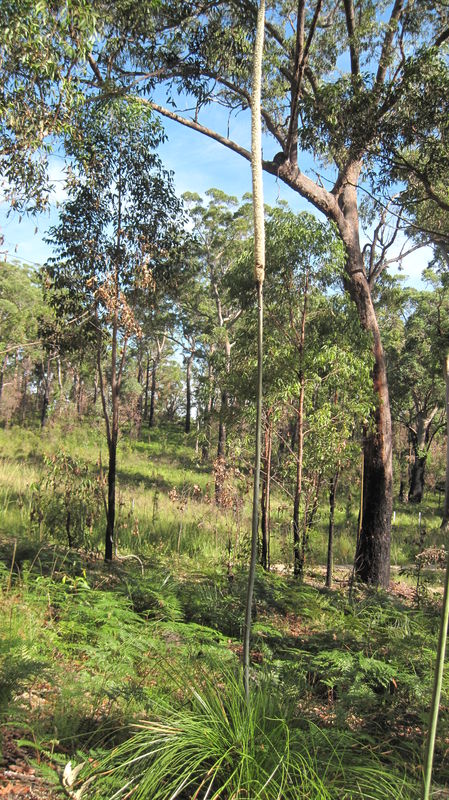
[[219, 745]]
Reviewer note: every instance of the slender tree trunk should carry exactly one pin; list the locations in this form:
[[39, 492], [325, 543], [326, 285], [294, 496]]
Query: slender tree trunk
[[59, 377], [330, 540], [208, 413], [110, 520], [147, 386], [221, 445], [445, 521], [187, 423], [152, 394], [139, 381], [298, 555], [2, 374], [298, 563], [259, 274], [94, 400], [266, 489], [46, 397]]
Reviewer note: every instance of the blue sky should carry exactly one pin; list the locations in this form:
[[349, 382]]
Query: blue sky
[[198, 163]]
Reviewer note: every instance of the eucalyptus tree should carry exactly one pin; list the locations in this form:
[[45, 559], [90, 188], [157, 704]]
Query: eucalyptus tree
[[219, 226], [116, 239], [44, 47], [316, 366], [21, 307], [340, 80], [416, 380]]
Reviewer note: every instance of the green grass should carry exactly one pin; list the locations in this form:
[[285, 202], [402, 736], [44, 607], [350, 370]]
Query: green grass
[[135, 640]]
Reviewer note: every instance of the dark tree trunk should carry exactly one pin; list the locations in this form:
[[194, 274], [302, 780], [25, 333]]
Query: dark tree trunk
[[372, 561], [372, 564], [266, 491], [139, 381], [421, 438], [416, 491], [330, 540], [298, 552], [46, 397], [110, 521], [152, 394], [445, 520], [147, 386], [208, 413], [187, 423]]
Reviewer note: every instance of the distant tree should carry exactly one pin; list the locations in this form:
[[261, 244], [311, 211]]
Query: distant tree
[[21, 306], [417, 385], [115, 240]]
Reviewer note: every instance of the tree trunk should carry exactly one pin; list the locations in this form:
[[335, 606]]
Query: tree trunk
[[266, 490], [221, 445], [298, 556], [372, 564], [208, 413], [187, 423], [372, 561], [445, 520], [421, 439], [147, 386], [152, 394], [46, 397], [110, 520], [330, 540], [2, 374], [298, 563], [416, 490]]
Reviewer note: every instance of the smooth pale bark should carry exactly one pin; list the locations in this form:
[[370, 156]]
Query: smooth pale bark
[[259, 275]]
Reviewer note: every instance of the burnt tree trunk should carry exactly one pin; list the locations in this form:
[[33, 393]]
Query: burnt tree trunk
[[372, 561], [298, 552], [187, 423], [445, 520], [110, 519], [266, 492], [152, 393], [421, 438]]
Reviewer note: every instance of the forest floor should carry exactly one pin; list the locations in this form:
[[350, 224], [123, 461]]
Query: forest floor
[[86, 649]]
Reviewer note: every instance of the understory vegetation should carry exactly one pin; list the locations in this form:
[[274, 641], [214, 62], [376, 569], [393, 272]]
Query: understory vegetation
[[130, 670]]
